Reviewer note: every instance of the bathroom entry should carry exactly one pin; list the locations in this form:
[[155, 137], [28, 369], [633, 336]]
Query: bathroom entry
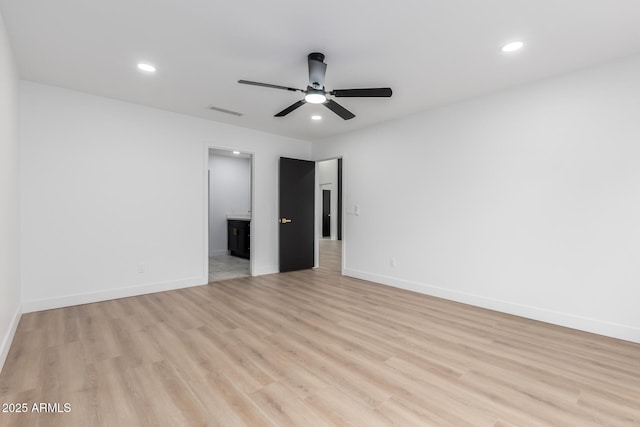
[[229, 214]]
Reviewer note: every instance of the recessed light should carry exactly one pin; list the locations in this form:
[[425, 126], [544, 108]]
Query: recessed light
[[146, 67], [236, 152], [512, 46], [316, 117]]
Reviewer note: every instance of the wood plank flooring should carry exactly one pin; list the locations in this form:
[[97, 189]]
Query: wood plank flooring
[[312, 348]]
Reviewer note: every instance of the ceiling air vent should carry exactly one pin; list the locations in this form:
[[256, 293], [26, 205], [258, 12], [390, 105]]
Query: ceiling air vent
[[223, 110]]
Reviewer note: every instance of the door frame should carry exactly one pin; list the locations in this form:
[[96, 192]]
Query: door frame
[[205, 205], [318, 214]]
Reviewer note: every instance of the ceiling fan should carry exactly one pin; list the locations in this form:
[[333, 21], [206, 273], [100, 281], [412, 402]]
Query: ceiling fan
[[316, 93]]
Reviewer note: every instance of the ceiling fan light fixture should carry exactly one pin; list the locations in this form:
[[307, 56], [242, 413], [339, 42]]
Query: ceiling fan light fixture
[[315, 96]]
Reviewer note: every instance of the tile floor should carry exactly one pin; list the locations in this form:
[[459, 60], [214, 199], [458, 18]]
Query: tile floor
[[223, 267]]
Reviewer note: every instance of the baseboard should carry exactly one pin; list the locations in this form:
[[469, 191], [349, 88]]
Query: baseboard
[[29, 306], [596, 326], [8, 338], [265, 269], [109, 294]]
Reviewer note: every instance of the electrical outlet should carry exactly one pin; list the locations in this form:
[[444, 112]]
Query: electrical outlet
[[393, 262], [140, 268]]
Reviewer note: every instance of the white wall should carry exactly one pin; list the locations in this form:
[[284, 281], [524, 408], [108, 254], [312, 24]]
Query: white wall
[[229, 194], [9, 198], [328, 180], [525, 201], [108, 186]]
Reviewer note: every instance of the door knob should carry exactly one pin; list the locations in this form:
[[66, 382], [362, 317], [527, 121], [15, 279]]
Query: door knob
[[284, 221]]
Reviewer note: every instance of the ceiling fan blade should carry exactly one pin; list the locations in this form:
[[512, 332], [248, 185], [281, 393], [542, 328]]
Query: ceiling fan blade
[[317, 70], [339, 109], [290, 108], [369, 93], [248, 82]]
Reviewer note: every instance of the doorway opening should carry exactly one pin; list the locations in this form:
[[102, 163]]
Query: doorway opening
[[329, 214], [326, 214], [229, 214]]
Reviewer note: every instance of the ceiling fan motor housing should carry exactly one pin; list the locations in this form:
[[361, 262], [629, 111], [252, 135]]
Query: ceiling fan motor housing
[[317, 70]]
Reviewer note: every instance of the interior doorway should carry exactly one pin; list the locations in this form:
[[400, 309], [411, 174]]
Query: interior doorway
[[230, 175], [326, 214], [329, 212]]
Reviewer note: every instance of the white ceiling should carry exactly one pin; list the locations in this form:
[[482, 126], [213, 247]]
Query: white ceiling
[[431, 52]]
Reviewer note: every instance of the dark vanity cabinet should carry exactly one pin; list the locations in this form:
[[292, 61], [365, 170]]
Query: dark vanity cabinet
[[238, 232]]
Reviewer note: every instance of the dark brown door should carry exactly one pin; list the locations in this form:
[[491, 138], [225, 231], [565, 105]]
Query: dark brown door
[[326, 213], [297, 184]]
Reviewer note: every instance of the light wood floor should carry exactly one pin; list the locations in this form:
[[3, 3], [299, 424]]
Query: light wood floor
[[313, 348]]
